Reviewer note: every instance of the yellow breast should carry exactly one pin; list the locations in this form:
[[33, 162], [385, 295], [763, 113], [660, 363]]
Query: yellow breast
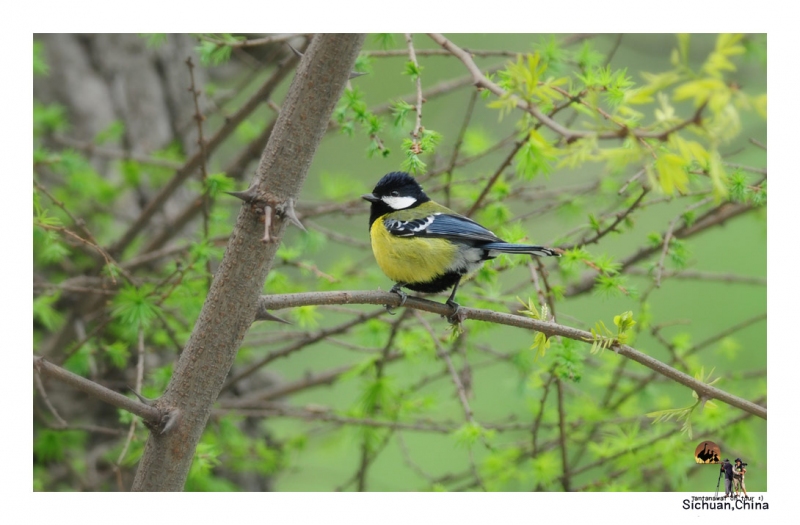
[[410, 259]]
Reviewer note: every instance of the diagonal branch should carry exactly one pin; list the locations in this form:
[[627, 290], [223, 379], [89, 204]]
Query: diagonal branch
[[151, 414]]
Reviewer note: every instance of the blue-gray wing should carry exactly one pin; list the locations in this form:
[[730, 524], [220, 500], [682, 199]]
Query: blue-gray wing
[[441, 225]]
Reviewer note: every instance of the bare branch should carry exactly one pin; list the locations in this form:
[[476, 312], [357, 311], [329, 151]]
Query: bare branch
[[48, 369], [272, 39]]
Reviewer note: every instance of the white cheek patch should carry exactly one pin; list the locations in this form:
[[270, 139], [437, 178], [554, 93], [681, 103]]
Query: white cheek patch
[[399, 203]]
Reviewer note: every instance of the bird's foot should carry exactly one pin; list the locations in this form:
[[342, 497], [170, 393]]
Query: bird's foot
[[398, 289], [457, 316]]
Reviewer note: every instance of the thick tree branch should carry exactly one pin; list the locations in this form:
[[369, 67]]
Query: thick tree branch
[[230, 306]]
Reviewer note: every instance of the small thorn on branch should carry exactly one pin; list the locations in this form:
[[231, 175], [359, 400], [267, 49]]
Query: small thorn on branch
[[170, 420], [266, 315], [146, 401], [296, 52], [248, 195], [288, 212]]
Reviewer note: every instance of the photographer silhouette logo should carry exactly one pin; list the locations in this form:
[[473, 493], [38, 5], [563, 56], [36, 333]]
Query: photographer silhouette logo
[[707, 452]]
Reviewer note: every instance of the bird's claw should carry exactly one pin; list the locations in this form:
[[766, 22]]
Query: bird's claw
[[403, 296], [457, 316]]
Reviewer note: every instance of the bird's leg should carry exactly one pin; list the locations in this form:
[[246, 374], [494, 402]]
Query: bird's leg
[[453, 318], [398, 289]]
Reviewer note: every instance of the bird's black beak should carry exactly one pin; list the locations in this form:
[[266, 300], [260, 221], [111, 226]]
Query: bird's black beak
[[370, 197]]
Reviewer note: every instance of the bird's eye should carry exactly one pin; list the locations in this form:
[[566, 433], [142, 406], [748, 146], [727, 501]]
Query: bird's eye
[[395, 193]]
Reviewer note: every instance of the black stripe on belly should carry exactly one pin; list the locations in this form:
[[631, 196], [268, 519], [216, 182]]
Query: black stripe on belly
[[439, 284]]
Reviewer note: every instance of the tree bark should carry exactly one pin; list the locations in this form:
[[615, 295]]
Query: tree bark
[[231, 305]]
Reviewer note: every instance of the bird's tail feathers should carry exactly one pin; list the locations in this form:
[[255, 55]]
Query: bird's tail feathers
[[506, 247]]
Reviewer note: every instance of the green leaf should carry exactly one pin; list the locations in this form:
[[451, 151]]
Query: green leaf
[[413, 70], [117, 353], [384, 40], [587, 57], [624, 322], [212, 54], [154, 40], [476, 140], [413, 164], [378, 394], [40, 67], [114, 132], [48, 117], [306, 316], [218, 183], [545, 469], [469, 433], [136, 307], [552, 54], [363, 64], [80, 362], [205, 458], [400, 110], [541, 343], [53, 445], [672, 173], [48, 248], [44, 312], [535, 156]]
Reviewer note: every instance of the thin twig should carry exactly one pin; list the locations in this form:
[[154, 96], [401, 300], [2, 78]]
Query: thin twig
[[417, 132], [562, 436], [629, 181], [401, 442], [457, 147], [477, 204], [384, 53], [132, 428], [92, 149], [725, 333], [90, 241], [621, 216], [704, 276], [42, 392], [254, 42], [751, 169], [668, 237], [205, 199], [441, 352], [537, 422], [310, 338]]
